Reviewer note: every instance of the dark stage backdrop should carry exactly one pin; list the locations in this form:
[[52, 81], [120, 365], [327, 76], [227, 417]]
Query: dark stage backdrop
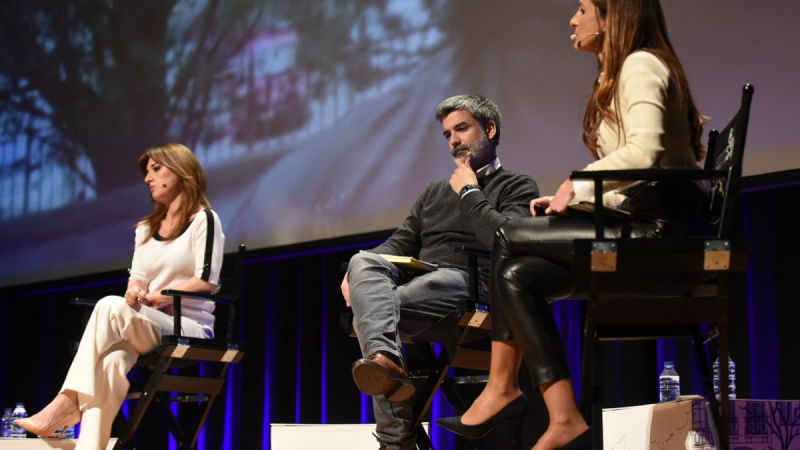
[[314, 119], [297, 367]]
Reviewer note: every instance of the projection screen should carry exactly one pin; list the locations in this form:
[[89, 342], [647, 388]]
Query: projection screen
[[314, 119]]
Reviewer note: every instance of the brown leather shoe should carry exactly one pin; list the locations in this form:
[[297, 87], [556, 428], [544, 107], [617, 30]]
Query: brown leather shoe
[[377, 374]]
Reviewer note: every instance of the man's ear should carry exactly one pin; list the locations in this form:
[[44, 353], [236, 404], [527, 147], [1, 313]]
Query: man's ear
[[491, 130]]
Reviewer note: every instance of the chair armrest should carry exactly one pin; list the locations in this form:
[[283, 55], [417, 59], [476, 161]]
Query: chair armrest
[[634, 175], [478, 252], [216, 298], [176, 303], [474, 273], [648, 174], [82, 301]]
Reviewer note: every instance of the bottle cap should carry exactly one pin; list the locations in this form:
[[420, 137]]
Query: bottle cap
[[669, 363], [20, 405]]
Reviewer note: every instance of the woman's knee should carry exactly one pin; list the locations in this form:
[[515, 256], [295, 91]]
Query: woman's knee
[[111, 303], [537, 276], [509, 235], [119, 359], [519, 273], [501, 244]]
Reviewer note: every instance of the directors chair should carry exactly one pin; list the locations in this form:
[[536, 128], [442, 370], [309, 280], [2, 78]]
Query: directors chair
[[169, 371], [462, 337], [614, 313]]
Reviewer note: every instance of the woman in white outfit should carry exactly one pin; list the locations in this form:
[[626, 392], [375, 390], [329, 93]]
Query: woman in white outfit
[[178, 246]]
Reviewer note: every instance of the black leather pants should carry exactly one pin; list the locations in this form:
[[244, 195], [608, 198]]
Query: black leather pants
[[531, 262]]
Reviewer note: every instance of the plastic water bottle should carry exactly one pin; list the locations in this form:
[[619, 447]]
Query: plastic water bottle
[[18, 413], [7, 419], [669, 383], [731, 378]]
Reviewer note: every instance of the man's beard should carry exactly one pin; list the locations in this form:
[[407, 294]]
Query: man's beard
[[477, 150]]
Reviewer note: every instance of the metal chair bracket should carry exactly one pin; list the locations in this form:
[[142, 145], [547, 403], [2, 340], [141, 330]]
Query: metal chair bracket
[[604, 256], [477, 319], [180, 349], [717, 255], [231, 353]]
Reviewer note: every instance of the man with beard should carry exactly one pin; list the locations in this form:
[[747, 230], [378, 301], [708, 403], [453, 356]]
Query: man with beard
[[465, 211]]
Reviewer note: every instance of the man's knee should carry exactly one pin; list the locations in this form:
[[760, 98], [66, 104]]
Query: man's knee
[[364, 261], [366, 266]]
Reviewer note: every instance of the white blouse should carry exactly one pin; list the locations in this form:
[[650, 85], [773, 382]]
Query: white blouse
[[655, 125], [198, 251]]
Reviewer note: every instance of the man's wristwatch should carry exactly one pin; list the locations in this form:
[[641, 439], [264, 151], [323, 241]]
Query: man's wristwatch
[[468, 187]]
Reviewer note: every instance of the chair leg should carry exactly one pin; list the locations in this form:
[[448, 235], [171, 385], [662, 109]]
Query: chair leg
[[715, 421], [164, 410], [457, 404], [423, 441], [424, 396], [597, 396], [702, 362], [119, 425], [207, 408], [148, 393], [586, 364], [724, 401], [591, 374]]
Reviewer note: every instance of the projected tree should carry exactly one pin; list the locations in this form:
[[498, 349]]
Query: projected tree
[[489, 36], [110, 77]]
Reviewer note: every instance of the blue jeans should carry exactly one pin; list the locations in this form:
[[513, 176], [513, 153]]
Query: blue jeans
[[389, 304]]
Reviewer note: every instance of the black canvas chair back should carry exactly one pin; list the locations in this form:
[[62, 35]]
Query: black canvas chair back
[[170, 372], [664, 314], [726, 153]]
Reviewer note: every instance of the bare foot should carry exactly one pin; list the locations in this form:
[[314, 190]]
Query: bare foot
[[489, 403], [62, 406], [559, 435]]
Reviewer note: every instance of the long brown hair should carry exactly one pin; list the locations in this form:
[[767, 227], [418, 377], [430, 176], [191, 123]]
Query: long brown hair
[[633, 25], [179, 159]]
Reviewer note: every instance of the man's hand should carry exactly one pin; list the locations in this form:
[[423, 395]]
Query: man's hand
[[463, 175], [346, 290], [562, 199]]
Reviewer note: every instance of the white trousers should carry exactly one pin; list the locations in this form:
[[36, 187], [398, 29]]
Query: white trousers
[[114, 338]]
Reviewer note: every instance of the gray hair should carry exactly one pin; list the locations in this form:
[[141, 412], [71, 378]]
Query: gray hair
[[481, 108]]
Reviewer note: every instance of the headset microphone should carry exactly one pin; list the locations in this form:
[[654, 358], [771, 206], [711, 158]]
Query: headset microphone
[[579, 42]]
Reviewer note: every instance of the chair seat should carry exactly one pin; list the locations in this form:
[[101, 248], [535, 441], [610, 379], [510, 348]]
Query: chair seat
[[658, 256], [190, 351]]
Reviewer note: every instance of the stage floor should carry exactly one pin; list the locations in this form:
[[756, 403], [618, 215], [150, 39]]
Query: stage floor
[[330, 437], [43, 444]]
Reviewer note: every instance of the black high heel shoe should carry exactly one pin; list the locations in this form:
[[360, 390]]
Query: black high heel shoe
[[582, 441], [517, 409]]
